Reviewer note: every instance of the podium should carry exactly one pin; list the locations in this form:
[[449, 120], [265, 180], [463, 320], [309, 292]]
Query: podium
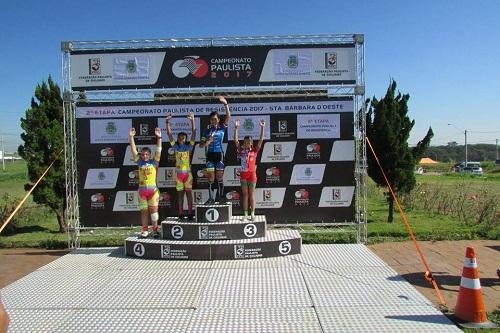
[[215, 235]]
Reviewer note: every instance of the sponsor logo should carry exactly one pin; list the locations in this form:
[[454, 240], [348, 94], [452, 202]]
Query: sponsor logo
[[283, 130], [282, 126], [101, 178], [126, 201], [97, 201], [203, 231], [274, 152], [234, 198], [313, 151], [273, 175], [133, 178], [111, 128], [270, 197], [130, 198], [165, 200], [94, 66], [202, 177], [239, 251], [266, 195], [198, 197], [278, 149], [336, 194], [193, 65], [237, 172], [307, 174], [107, 152], [132, 66], [248, 124], [165, 251], [170, 155], [110, 131], [107, 155], [302, 197], [293, 61], [169, 173], [331, 60], [144, 129]]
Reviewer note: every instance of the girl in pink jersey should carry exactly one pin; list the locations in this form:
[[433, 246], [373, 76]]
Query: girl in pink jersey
[[248, 175]]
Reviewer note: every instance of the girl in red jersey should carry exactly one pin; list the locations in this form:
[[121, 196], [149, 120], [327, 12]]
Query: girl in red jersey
[[248, 175]]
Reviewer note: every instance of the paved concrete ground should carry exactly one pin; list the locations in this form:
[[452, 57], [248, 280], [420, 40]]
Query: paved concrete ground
[[445, 259], [327, 288]]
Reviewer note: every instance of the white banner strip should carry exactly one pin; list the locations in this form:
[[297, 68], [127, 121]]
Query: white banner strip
[[470, 283], [129, 111]]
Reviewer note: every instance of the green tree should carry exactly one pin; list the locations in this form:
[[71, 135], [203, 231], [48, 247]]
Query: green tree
[[43, 141], [388, 129]]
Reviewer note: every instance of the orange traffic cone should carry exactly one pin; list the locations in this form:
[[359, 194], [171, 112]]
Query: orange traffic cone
[[470, 306]]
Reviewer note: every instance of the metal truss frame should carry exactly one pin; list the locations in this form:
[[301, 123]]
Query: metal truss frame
[[356, 91]]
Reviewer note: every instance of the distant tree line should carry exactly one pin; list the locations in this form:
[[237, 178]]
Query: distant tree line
[[453, 152]]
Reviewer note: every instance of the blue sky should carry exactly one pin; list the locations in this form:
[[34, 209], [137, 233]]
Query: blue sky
[[445, 54]]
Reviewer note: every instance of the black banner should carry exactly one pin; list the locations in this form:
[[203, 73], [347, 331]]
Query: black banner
[[305, 167], [237, 66]]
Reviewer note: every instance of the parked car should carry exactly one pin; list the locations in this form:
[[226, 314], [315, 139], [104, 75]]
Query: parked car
[[469, 167]]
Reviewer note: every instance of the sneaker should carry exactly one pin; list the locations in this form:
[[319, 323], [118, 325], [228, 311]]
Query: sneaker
[[156, 234], [185, 217], [222, 200], [209, 202], [190, 217], [252, 216], [145, 234]]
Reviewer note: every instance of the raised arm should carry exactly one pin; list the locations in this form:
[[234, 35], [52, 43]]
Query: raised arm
[[193, 126], [223, 100], [236, 141], [262, 124], [133, 148], [169, 128], [158, 143]]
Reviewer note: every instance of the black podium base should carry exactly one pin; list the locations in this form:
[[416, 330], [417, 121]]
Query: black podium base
[[276, 243], [236, 228]]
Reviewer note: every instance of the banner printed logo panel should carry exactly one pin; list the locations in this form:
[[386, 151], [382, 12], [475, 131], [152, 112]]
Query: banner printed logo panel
[[101, 178], [218, 66], [278, 151], [193, 65], [307, 174], [336, 196]]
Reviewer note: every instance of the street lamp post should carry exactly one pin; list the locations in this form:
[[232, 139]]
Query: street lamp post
[[465, 134]]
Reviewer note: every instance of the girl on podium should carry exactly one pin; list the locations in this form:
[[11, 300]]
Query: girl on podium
[[184, 177], [149, 194], [212, 142], [248, 175]]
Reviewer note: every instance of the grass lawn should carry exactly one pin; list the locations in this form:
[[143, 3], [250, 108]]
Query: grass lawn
[[36, 226]]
